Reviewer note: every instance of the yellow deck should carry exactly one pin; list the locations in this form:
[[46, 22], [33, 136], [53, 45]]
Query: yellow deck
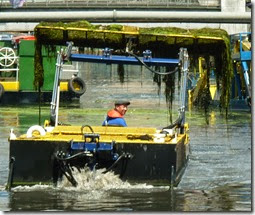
[[109, 134]]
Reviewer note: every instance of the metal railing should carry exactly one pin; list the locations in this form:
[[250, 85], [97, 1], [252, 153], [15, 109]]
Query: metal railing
[[206, 4]]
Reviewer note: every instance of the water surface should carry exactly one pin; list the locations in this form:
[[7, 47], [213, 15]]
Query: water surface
[[217, 178]]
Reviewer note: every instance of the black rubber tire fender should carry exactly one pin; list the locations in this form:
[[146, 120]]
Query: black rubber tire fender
[[77, 86], [1, 91]]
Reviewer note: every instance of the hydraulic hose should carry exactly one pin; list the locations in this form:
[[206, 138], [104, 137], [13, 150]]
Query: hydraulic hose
[[115, 163], [153, 71], [91, 129], [177, 122], [71, 157]]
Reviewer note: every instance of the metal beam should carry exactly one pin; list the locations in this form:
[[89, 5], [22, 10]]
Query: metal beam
[[118, 59], [123, 16]]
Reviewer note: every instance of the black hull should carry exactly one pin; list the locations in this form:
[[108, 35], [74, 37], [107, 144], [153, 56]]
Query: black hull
[[33, 97], [35, 162]]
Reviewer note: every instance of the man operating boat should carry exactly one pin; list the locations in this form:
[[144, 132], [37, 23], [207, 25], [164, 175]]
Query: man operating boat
[[115, 117]]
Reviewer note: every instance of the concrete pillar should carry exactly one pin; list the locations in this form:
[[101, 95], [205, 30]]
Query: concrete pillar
[[234, 6]]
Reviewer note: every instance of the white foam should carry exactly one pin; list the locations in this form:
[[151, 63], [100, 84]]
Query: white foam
[[27, 188], [97, 180], [94, 181], [2, 188]]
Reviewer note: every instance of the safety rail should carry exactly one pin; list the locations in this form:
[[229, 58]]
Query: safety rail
[[240, 45], [16, 76], [207, 4]]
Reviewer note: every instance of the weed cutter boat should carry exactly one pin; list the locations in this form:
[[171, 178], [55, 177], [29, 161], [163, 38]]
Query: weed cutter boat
[[137, 154]]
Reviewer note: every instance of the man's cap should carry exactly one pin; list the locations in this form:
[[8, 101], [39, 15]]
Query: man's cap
[[122, 102]]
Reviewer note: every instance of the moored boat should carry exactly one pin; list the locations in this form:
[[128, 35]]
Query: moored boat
[[17, 73]]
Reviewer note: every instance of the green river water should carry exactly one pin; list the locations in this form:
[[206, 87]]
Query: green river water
[[217, 178]]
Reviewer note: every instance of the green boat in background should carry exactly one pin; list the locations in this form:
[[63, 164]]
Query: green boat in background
[[17, 72]]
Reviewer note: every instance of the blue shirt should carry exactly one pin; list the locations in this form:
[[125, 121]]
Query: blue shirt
[[114, 121]]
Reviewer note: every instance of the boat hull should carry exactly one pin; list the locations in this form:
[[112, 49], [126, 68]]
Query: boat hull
[[33, 97], [159, 163]]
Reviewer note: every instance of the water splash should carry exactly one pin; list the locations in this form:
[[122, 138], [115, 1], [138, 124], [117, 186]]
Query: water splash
[[97, 180], [37, 187], [94, 181]]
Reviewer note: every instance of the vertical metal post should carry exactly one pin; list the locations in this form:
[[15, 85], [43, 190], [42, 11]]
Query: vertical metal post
[[246, 77], [57, 106], [172, 177], [184, 61], [55, 95]]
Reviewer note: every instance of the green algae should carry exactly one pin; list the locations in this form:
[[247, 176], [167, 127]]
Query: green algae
[[162, 41], [169, 93], [121, 72], [38, 65]]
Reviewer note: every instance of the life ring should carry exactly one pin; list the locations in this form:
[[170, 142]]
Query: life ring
[[7, 56], [1, 91], [36, 128], [77, 86]]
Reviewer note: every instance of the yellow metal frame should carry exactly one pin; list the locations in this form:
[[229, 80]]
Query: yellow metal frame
[[63, 86], [194, 93], [12, 86], [130, 31], [108, 134]]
